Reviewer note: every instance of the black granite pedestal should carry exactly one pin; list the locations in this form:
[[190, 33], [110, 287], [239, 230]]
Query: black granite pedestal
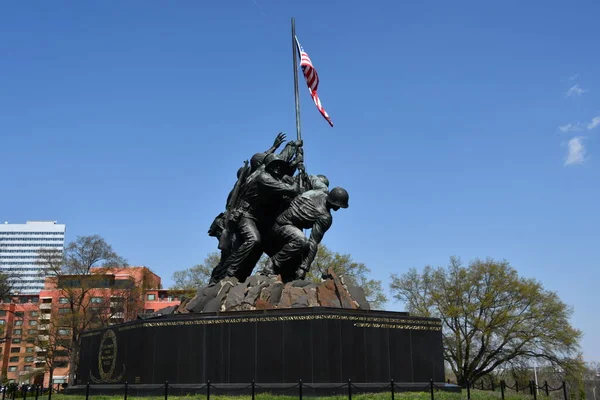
[[318, 345]]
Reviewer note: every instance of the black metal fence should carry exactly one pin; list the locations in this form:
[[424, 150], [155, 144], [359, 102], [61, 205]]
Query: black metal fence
[[298, 390], [532, 389]]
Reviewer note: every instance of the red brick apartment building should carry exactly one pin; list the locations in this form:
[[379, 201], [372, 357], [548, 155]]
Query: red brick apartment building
[[111, 296]]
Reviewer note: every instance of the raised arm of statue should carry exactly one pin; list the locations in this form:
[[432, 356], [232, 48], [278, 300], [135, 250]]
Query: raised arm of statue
[[278, 142]]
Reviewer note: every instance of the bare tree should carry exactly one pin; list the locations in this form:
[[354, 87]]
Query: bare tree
[[90, 251], [52, 344], [87, 293]]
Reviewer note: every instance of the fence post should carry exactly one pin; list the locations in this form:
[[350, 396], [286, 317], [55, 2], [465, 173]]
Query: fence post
[[468, 390], [3, 392], [37, 392], [502, 384], [531, 388], [565, 390], [493, 384], [349, 389], [517, 386], [24, 392], [166, 390], [546, 388], [87, 390], [126, 388], [253, 389], [431, 388], [482, 384], [392, 387], [534, 389], [208, 389], [300, 389]]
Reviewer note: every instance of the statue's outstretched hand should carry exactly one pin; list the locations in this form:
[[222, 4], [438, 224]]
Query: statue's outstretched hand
[[279, 139]]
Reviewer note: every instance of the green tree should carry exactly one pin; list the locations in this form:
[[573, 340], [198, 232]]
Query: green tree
[[491, 317], [352, 271], [198, 275]]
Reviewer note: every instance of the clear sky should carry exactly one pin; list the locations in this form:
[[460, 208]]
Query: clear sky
[[461, 128]]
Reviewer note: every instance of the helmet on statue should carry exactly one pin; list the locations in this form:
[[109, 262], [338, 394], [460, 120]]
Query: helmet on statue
[[323, 179], [338, 197], [257, 160], [272, 160]]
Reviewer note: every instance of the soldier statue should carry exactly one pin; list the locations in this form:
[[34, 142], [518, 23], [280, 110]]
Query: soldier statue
[[266, 211], [311, 210]]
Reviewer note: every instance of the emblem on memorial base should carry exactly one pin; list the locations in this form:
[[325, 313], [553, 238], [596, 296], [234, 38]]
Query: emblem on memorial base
[[107, 359]]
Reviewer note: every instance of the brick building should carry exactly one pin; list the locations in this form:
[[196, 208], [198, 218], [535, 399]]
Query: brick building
[[32, 324]]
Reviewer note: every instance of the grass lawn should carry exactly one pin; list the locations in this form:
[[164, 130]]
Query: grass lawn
[[475, 395]]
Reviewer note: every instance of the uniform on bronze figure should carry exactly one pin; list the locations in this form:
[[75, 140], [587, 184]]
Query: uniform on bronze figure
[[266, 212]]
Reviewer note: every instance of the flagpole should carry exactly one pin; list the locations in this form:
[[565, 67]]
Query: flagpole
[[296, 94]]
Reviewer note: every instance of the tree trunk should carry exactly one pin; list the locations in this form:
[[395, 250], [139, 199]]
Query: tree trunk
[[50, 378], [73, 363]]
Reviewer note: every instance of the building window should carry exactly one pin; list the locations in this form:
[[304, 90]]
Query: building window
[[151, 297], [19, 314], [27, 368], [2, 313], [34, 314], [16, 332], [29, 359], [15, 349], [2, 321], [32, 331], [19, 322], [16, 340], [29, 350], [14, 359], [12, 368], [96, 300], [63, 332], [64, 310], [63, 300], [32, 323]]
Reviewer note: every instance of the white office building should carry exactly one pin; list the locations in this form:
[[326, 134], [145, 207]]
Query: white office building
[[19, 247]]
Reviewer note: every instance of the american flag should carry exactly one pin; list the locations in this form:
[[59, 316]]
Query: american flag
[[312, 80]]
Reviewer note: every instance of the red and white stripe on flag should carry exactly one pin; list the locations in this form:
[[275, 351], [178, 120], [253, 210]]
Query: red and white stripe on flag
[[312, 80]]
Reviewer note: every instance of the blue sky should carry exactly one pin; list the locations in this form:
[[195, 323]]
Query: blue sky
[[461, 128]]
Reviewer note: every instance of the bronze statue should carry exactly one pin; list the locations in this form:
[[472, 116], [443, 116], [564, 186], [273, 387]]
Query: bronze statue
[[311, 210], [266, 211]]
